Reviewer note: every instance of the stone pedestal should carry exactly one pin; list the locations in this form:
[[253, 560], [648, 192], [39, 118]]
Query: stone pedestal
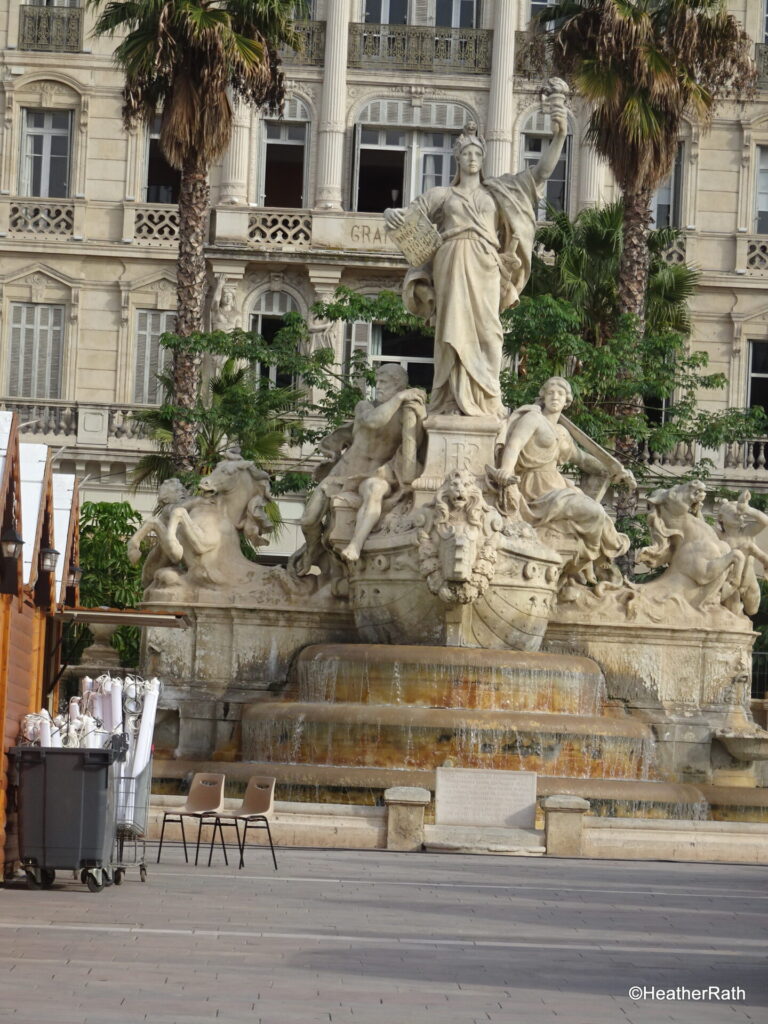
[[405, 819], [564, 824], [455, 442]]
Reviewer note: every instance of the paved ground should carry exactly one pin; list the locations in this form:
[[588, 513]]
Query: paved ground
[[376, 938]]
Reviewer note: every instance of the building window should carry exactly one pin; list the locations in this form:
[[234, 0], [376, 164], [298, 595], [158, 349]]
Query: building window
[[667, 200], [413, 351], [765, 24], [284, 162], [456, 13], [46, 146], [438, 164], [758, 375], [36, 350], [762, 190], [151, 357], [537, 134], [386, 12], [163, 181], [394, 166], [267, 319]]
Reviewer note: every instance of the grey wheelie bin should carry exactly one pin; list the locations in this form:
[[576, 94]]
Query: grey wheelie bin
[[66, 812]]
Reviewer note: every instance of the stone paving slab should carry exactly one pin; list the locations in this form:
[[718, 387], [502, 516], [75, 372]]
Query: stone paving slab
[[385, 938]]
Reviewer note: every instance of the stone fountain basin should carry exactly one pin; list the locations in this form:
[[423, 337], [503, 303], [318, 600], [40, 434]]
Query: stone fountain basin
[[745, 746]]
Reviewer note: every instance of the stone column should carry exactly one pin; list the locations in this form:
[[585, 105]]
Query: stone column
[[563, 825], [405, 817], [330, 145], [498, 133], [234, 171]]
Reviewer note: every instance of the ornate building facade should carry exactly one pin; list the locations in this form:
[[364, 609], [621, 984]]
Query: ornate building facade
[[88, 223]]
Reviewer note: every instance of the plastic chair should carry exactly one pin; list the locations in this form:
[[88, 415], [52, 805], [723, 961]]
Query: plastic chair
[[204, 801], [253, 813]]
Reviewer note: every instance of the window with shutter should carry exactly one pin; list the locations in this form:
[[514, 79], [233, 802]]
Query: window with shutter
[[667, 200], [163, 182], [413, 351], [150, 356], [36, 350]]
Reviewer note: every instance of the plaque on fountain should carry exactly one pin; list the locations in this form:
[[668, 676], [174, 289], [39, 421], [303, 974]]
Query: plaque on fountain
[[480, 796]]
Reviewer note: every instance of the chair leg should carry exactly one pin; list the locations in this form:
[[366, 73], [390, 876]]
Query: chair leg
[[271, 845], [183, 838], [199, 833], [240, 843], [162, 833], [221, 837]]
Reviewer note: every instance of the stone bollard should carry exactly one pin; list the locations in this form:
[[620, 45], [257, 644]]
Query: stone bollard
[[563, 825], [405, 817]]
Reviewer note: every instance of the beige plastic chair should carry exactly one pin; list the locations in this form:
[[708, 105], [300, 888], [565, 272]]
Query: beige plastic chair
[[204, 802], [254, 812]]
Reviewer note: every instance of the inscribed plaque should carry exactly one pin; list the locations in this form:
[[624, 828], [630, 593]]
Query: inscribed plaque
[[418, 239], [481, 796]]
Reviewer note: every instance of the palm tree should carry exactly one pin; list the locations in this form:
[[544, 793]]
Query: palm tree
[[584, 269], [645, 65], [188, 59]]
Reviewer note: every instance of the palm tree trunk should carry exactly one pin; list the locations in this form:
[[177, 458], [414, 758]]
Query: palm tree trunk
[[633, 269], [190, 290]]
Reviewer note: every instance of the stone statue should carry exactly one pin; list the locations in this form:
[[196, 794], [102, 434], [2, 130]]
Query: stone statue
[[170, 495], [738, 524], [225, 316], [372, 460], [536, 445], [703, 568], [200, 537], [487, 228]]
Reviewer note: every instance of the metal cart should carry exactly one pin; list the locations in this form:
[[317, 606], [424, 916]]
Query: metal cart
[[133, 795]]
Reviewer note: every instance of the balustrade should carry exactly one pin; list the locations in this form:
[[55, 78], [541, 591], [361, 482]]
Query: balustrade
[[312, 52], [676, 252], [123, 424], [57, 419], [41, 217], [156, 225], [757, 254], [52, 29], [420, 48], [280, 227], [761, 59], [750, 454]]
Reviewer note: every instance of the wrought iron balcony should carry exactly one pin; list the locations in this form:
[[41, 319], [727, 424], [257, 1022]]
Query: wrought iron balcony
[[54, 29], [312, 51], [420, 48], [761, 59]]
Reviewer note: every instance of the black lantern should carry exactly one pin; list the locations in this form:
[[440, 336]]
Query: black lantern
[[48, 559], [73, 576], [10, 543]]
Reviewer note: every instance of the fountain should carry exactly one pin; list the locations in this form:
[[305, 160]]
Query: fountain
[[456, 601]]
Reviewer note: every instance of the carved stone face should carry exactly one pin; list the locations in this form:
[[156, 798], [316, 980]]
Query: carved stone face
[[389, 383], [471, 159], [554, 398], [458, 489]]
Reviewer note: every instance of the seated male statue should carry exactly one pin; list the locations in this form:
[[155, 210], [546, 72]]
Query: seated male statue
[[379, 461]]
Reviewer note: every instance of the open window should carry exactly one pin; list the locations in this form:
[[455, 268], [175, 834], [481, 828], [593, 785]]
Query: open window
[[284, 160], [381, 167], [267, 319], [163, 182], [666, 204], [762, 190], [413, 351]]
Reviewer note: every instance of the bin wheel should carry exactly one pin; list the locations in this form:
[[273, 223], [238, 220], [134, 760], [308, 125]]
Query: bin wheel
[[119, 876], [106, 877], [33, 882], [93, 883], [84, 875], [143, 873], [49, 877]]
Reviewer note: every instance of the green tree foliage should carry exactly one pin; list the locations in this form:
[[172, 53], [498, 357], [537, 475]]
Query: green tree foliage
[[109, 580]]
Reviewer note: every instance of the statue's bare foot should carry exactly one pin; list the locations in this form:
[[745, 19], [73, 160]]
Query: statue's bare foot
[[351, 552]]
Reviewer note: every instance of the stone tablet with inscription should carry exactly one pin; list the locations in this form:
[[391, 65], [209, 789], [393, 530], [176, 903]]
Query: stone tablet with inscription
[[480, 796], [418, 239]]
